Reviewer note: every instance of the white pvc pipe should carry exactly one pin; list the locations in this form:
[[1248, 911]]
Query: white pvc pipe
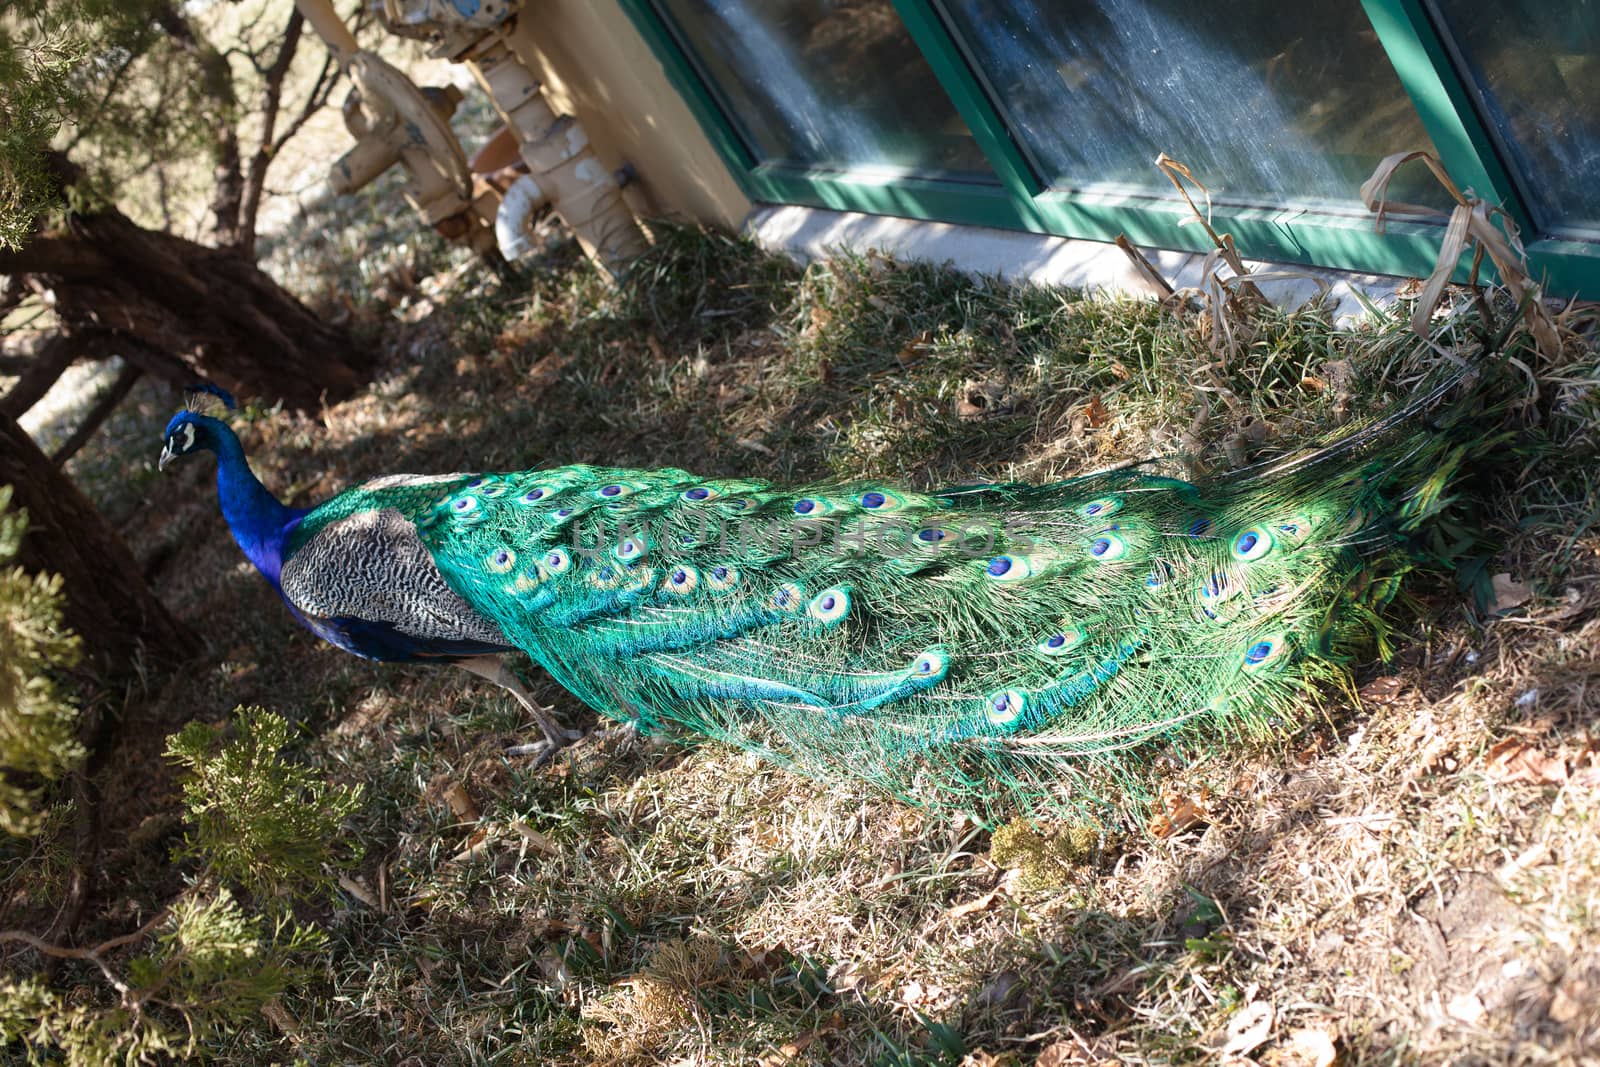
[[579, 190], [511, 221]]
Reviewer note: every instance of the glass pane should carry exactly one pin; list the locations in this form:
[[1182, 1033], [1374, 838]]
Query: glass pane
[[1269, 103], [1536, 64], [826, 84]]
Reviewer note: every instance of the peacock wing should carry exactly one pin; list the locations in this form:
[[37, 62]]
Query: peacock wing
[[369, 566]]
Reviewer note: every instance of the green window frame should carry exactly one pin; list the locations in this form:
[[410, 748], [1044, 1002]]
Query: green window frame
[[1413, 44]]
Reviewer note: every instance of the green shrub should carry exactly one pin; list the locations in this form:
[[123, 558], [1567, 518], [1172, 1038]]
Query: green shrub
[[258, 821], [208, 966], [37, 727]]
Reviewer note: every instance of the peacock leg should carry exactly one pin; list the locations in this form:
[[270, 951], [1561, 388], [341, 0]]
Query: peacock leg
[[493, 669]]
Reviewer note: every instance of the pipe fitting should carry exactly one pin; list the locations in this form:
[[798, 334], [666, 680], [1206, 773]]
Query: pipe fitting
[[564, 167], [511, 221]]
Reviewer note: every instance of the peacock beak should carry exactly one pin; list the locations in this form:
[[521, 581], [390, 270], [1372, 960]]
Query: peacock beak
[[166, 456]]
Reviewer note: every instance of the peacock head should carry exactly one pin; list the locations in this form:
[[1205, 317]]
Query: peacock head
[[192, 428]]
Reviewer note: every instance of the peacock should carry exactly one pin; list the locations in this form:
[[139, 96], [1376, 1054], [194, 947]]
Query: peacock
[[985, 647]]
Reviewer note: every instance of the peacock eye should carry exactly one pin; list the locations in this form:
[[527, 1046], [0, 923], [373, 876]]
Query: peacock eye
[[1060, 644], [933, 663], [1295, 530], [1008, 568], [1099, 509], [829, 606], [1107, 547], [1265, 651], [606, 577], [682, 580], [881, 500], [1005, 707], [1252, 544]]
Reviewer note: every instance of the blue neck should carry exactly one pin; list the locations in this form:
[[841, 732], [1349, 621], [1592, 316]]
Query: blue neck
[[258, 522]]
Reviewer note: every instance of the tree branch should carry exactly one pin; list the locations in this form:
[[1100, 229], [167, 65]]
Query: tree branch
[[216, 81], [113, 83], [321, 91], [104, 405], [65, 257], [95, 955], [51, 362], [271, 98]]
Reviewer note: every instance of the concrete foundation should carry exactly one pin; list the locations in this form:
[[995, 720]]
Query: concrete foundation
[[1055, 261]]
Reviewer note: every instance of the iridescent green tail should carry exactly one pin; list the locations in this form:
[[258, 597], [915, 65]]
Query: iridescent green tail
[[990, 647]]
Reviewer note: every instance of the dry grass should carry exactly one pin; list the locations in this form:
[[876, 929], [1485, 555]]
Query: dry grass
[[1412, 878]]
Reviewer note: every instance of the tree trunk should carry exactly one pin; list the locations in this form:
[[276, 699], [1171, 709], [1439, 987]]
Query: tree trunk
[[43, 371], [108, 603], [104, 405], [183, 311]]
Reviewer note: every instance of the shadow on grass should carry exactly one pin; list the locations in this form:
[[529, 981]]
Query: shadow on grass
[[837, 928]]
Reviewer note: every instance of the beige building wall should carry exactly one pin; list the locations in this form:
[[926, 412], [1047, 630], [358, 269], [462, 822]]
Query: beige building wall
[[597, 68]]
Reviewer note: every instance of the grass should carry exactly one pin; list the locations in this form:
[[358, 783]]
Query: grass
[[1381, 879]]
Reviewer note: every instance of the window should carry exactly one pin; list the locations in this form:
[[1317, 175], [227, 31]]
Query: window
[[827, 85], [1535, 69], [1047, 115], [1269, 104]]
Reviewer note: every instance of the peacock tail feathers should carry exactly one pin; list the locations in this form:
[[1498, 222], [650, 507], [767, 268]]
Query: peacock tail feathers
[[989, 647]]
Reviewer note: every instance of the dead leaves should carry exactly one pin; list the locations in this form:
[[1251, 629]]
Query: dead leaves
[[927, 998], [1096, 413], [984, 400], [1080, 1051], [1474, 223], [1381, 691], [1514, 760], [977, 904], [1181, 812], [790, 1050], [984, 1058], [460, 801], [913, 350], [1251, 1027], [483, 834], [1509, 594], [1092, 415], [1305, 1047]]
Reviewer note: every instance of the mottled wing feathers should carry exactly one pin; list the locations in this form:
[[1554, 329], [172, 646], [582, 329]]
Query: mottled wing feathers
[[360, 574]]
